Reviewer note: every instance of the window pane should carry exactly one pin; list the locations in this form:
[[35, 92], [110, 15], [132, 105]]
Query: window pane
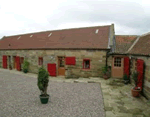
[[117, 62], [86, 64], [61, 64]]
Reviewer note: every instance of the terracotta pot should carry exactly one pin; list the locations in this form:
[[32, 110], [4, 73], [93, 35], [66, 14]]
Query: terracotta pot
[[135, 93], [105, 76]]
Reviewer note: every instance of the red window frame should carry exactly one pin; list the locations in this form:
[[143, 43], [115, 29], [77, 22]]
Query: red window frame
[[84, 63], [40, 60]]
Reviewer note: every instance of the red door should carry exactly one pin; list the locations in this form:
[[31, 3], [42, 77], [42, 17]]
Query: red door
[[5, 61], [18, 63], [140, 70], [126, 66], [51, 68]]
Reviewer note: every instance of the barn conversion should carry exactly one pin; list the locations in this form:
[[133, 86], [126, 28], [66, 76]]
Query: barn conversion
[[139, 53], [78, 52]]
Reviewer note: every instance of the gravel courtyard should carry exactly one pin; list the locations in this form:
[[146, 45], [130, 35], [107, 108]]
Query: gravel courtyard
[[20, 98]]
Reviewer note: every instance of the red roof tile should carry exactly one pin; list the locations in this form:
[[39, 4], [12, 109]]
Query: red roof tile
[[65, 39], [124, 42], [142, 47]]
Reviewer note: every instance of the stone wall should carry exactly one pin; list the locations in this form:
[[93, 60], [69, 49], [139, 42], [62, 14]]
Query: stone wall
[[147, 73], [97, 57]]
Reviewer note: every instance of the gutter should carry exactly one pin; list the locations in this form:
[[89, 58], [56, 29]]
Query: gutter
[[107, 55]]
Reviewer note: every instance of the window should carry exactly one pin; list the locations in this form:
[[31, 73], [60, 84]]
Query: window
[[86, 64], [61, 61], [40, 60], [117, 62]]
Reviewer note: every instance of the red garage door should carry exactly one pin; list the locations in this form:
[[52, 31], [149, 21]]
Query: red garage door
[[51, 68], [5, 61]]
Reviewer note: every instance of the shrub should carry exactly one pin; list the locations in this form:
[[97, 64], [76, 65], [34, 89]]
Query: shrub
[[43, 81], [125, 77], [104, 69], [25, 66], [135, 78]]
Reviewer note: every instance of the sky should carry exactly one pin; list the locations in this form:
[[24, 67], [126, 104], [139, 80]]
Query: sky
[[130, 17]]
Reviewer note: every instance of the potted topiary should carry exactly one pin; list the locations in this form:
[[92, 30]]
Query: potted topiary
[[126, 79], [105, 72], [43, 84], [10, 67], [25, 66], [136, 90]]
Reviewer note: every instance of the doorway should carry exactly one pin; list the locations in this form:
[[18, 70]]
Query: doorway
[[61, 66], [117, 67], [9, 59]]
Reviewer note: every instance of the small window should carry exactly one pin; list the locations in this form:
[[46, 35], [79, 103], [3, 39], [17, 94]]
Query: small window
[[40, 60], [86, 64], [117, 62], [61, 61]]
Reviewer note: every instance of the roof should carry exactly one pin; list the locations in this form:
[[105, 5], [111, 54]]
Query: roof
[[142, 46], [82, 38], [124, 42]]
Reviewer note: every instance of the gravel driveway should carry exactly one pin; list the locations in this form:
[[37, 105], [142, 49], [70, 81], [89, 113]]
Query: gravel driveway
[[19, 97]]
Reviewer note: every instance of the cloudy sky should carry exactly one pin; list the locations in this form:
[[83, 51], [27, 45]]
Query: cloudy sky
[[25, 16]]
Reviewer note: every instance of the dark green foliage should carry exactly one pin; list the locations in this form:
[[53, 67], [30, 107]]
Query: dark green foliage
[[43, 80], [135, 78], [25, 66], [104, 69], [125, 77]]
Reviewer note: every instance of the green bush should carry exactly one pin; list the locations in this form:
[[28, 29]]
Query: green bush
[[43, 81], [135, 78], [125, 77], [25, 66], [104, 69]]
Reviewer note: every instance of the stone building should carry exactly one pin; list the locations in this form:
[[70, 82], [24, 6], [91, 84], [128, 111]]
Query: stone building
[[141, 50], [78, 52], [123, 43], [134, 48]]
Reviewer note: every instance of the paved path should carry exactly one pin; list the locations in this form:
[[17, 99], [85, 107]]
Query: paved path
[[118, 101], [19, 98]]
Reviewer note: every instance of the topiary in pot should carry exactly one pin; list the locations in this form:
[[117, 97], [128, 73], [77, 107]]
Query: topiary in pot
[[105, 72], [10, 67], [136, 90], [25, 66], [43, 84], [126, 79]]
